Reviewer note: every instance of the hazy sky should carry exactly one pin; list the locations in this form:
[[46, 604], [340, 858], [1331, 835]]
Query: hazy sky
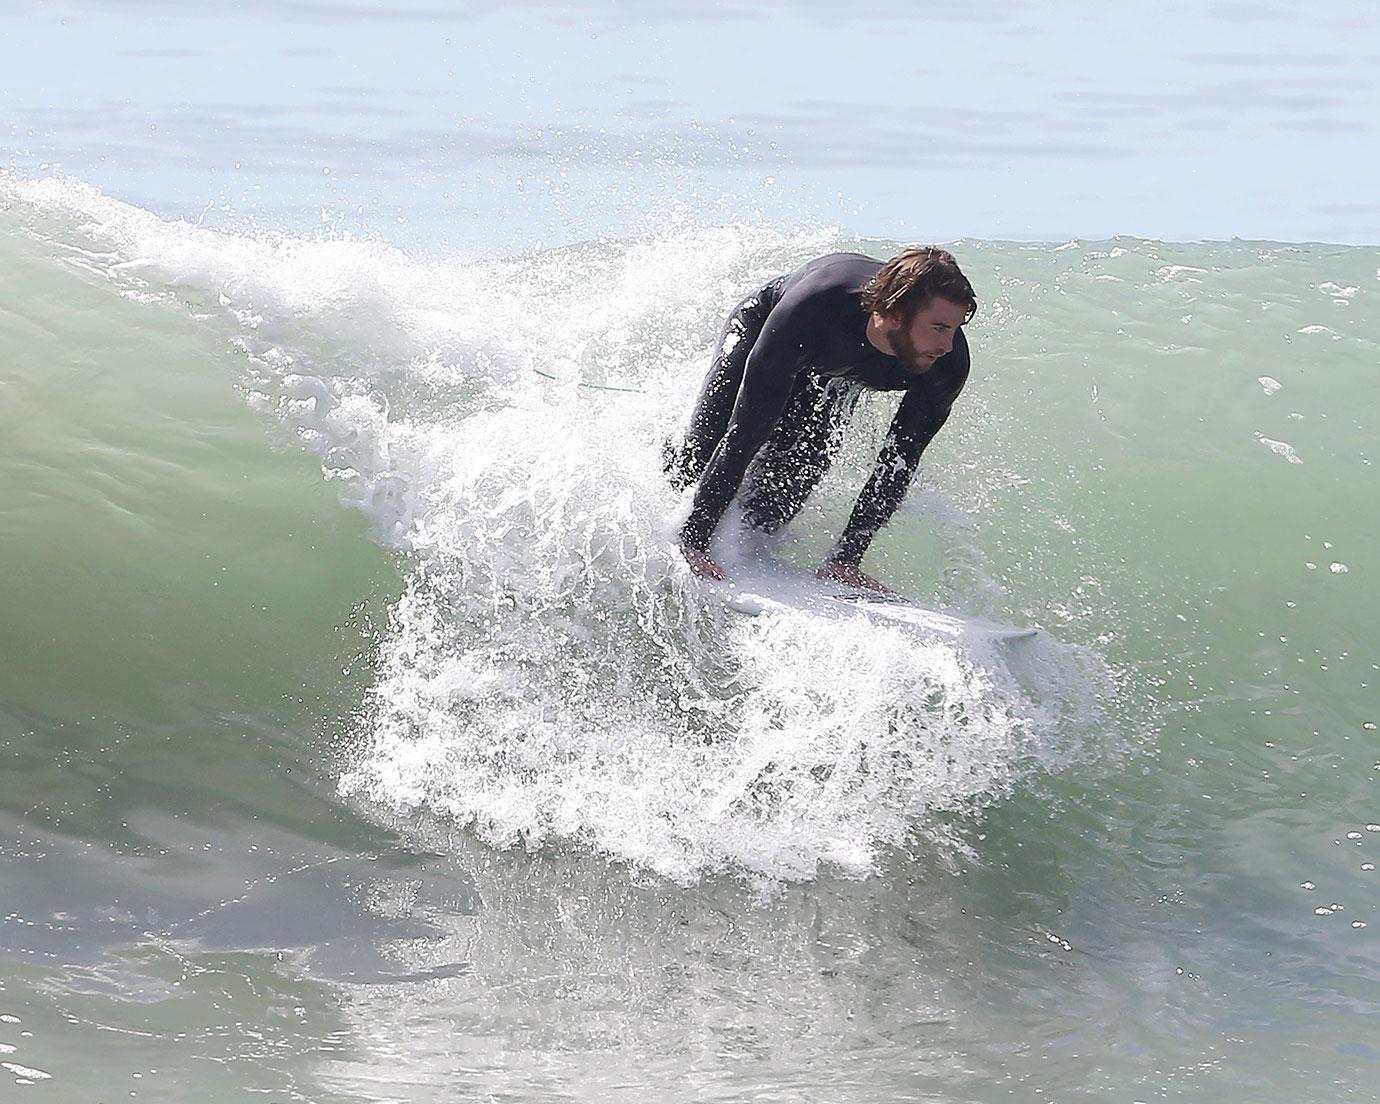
[[473, 129]]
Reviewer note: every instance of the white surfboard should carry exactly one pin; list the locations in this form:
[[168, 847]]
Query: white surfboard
[[762, 586]]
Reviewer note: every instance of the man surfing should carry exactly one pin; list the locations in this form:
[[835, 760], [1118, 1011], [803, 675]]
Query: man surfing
[[791, 362]]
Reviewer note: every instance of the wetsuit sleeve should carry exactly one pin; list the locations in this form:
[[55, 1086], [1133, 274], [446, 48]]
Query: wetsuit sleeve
[[921, 415], [773, 365]]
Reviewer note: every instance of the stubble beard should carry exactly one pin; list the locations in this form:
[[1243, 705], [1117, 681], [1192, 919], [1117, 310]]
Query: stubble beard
[[905, 350]]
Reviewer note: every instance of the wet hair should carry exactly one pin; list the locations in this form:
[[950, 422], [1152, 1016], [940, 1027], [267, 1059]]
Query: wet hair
[[908, 282]]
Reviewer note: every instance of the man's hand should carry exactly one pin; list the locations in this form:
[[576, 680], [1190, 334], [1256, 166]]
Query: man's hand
[[700, 563], [852, 575]]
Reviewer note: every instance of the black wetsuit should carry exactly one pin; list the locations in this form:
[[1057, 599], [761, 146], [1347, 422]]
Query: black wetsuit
[[790, 362]]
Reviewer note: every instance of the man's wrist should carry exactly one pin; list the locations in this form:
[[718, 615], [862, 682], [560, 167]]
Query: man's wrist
[[690, 542], [847, 550], [692, 538]]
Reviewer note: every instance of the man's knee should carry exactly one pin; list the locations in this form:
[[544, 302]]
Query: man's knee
[[778, 489], [675, 463]]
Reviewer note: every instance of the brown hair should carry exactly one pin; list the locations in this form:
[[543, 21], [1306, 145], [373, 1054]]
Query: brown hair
[[908, 281]]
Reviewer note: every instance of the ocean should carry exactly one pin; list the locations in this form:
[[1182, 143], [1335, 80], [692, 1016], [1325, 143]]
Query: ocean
[[365, 739]]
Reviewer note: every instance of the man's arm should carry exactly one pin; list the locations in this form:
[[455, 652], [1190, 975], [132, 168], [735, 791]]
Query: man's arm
[[768, 378], [921, 415], [884, 491]]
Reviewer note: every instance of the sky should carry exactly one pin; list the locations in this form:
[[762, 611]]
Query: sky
[[471, 128]]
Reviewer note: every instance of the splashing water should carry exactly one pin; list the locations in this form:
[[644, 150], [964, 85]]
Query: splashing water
[[551, 671]]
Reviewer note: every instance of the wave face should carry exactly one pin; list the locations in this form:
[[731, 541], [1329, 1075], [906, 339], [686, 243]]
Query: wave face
[[315, 545], [551, 673]]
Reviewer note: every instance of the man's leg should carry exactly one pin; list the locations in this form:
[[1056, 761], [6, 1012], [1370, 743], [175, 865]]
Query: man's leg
[[798, 454], [684, 463]]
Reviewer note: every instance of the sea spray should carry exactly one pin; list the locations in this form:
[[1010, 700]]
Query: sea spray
[[552, 672]]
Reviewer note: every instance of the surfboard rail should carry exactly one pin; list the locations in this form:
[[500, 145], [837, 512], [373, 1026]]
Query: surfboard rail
[[766, 586]]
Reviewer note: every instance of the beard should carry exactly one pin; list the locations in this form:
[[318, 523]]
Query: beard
[[906, 352]]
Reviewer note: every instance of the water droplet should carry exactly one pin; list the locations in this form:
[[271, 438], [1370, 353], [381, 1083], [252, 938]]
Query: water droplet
[[1338, 568], [1358, 923], [1367, 866], [1353, 835], [1322, 911], [1373, 827], [1307, 885]]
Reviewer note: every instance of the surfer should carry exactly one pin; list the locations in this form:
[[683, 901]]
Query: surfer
[[789, 368]]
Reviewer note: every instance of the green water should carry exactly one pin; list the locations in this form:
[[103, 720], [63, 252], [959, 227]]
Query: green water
[[280, 514]]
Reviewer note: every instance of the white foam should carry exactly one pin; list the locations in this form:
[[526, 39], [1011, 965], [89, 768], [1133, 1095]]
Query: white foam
[[1174, 272], [26, 1072], [1279, 448], [552, 673]]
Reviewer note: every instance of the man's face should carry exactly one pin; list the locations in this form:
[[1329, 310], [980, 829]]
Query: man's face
[[928, 336]]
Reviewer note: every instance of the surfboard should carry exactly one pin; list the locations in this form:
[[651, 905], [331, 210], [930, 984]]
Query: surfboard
[[763, 586]]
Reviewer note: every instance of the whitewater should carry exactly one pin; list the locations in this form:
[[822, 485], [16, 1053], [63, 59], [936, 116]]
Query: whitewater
[[366, 738]]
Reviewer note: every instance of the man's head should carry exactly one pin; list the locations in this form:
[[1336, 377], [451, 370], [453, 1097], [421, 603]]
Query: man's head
[[907, 283], [918, 300]]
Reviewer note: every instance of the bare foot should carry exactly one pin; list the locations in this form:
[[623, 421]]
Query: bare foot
[[850, 575], [700, 563]]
